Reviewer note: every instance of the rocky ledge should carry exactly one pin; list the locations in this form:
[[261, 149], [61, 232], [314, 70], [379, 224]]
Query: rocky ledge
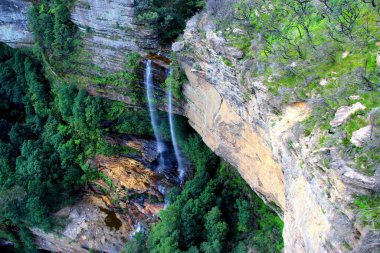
[[126, 198]]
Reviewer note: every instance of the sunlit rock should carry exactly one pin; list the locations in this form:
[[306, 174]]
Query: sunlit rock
[[344, 112]]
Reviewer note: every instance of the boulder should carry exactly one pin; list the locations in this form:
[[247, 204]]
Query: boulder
[[235, 53], [361, 136], [344, 112]]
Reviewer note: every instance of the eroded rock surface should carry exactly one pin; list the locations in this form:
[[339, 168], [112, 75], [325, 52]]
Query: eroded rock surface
[[86, 229], [127, 195], [14, 24], [111, 30], [362, 135], [242, 122], [344, 113]]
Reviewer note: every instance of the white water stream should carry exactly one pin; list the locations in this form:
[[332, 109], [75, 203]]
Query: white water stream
[[178, 156], [149, 86]]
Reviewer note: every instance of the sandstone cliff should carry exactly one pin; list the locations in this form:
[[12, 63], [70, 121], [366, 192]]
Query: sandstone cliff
[[242, 122], [109, 30], [126, 198], [14, 24]]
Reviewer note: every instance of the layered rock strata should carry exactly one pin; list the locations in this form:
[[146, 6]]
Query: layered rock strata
[[242, 122], [14, 23], [110, 29], [239, 119]]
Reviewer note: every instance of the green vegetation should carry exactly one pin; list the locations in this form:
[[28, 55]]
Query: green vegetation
[[322, 52], [126, 82], [369, 210], [55, 35], [215, 212], [47, 135], [176, 78], [49, 132], [168, 18]]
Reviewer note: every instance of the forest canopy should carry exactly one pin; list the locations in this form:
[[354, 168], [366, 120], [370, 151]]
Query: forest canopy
[[48, 132]]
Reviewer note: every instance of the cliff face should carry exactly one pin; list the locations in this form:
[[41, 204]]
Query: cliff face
[[14, 24], [238, 118], [242, 122], [110, 29]]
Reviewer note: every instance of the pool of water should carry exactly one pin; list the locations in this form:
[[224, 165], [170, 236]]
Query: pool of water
[[111, 219]]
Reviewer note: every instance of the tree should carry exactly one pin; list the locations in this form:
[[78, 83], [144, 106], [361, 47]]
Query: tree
[[216, 231], [244, 215]]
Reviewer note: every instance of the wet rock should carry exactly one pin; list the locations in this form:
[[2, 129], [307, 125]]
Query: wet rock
[[127, 173], [85, 228], [128, 194], [361, 136], [344, 112]]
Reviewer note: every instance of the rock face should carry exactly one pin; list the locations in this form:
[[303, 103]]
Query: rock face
[[362, 135], [237, 117], [128, 196], [87, 229], [240, 120], [13, 23], [110, 30]]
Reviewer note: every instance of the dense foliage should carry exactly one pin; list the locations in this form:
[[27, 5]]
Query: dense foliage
[[175, 79], [55, 35], [47, 135], [369, 210], [168, 18], [323, 52], [216, 212]]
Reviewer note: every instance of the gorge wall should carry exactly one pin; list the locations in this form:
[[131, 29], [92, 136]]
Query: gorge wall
[[109, 30], [14, 23], [239, 120]]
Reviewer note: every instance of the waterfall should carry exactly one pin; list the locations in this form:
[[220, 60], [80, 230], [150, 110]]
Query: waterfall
[[181, 168], [161, 147]]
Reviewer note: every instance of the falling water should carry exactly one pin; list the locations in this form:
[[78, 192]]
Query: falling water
[[181, 168], [136, 229], [161, 148]]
